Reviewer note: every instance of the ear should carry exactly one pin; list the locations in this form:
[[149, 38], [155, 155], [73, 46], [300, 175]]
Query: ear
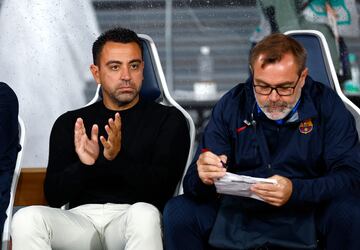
[[305, 72], [251, 69], [304, 75], [142, 70], [95, 72]]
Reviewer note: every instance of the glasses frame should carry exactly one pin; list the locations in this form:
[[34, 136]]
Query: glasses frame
[[276, 88]]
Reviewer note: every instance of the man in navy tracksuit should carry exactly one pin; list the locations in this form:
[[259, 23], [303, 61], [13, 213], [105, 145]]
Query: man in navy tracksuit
[[9, 145], [281, 125]]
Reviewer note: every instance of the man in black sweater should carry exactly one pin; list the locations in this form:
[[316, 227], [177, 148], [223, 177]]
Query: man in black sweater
[[115, 162]]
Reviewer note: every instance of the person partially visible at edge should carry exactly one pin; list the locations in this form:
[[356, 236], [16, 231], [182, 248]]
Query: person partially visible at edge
[[115, 162], [9, 145], [281, 125]]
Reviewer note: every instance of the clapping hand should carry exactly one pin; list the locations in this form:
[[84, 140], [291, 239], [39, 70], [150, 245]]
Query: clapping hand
[[87, 149], [112, 144]]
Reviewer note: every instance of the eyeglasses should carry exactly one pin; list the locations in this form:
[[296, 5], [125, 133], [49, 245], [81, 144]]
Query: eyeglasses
[[281, 91]]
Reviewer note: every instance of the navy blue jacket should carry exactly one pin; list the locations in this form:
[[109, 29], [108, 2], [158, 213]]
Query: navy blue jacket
[[9, 144], [317, 147]]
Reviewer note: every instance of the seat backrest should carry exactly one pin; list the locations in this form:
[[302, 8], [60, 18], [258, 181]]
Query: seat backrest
[[321, 67], [155, 88], [14, 182], [317, 63]]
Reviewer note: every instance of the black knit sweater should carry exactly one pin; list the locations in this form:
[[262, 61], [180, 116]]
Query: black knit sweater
[[154, 148]]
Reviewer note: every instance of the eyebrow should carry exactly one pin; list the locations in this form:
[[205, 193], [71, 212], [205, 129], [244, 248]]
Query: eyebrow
[[279, 84], [120, 62]]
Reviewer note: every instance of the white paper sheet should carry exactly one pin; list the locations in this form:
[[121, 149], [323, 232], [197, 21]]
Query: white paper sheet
[[239, 185]]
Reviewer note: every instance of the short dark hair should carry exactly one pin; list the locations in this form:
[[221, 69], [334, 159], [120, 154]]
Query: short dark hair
[[118, 35], [274, 47]]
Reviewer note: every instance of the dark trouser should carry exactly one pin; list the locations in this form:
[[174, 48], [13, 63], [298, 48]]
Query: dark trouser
[[3, 216], [338, 223], [188, 223]]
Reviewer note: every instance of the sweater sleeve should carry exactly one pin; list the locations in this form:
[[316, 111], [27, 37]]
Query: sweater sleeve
[[65, 173], [341, 157]]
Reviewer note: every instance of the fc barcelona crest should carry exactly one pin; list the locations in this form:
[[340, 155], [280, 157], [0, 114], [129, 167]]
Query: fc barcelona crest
[[306, 126]]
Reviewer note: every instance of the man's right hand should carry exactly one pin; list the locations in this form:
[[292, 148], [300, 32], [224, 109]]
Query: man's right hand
[[87, 149], [210, 168]]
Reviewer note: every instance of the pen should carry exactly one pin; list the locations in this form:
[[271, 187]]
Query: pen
[[224, 164]]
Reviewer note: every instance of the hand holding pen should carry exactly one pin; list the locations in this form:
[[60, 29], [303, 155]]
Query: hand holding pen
[[211, 166]]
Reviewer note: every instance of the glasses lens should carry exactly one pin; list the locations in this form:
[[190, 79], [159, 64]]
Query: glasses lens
[[285, 91], [263, 90], [282, 91]]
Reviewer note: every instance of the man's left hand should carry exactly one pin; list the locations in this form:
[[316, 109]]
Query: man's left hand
[[274, 194], [112, 144]]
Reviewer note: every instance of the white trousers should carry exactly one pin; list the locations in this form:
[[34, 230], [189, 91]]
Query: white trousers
[[88, 227]]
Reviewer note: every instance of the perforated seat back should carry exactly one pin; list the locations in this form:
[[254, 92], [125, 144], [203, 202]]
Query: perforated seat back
[[150, 89], [321, 67], [316, 59]]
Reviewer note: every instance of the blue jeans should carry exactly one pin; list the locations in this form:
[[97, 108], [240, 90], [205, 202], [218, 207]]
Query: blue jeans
[[188, 223]]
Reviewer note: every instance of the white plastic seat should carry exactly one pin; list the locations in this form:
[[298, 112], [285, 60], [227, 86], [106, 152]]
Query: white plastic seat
[[9, 211]]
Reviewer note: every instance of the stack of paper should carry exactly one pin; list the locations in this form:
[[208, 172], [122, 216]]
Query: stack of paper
[[239, 185]]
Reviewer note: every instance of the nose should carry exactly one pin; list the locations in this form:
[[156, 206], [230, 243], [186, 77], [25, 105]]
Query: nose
[[125, 74], [274, 96]]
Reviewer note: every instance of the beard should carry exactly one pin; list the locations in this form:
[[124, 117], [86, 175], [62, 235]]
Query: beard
[[276, 110], [123, 98], [120, 97]]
